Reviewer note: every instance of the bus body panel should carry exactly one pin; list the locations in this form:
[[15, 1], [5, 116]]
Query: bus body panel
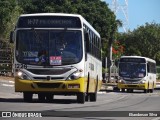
[[50, 86], [133, 86], [91, 69], [73, 86], [148, 82]]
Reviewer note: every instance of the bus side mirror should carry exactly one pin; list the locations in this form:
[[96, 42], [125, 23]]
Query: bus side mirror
[[11, 37]]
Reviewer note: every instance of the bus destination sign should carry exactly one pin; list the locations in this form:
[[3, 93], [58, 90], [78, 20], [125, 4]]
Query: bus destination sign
[[49, 22], [137, 60]]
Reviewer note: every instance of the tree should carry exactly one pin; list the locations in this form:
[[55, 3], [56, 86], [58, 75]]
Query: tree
[[117, 50], [95, 11], [143, 41], [8, 15]]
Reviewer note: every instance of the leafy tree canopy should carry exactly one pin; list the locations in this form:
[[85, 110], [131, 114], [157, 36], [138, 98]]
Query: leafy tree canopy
[[143, 41], [8, 15], [96, 12]]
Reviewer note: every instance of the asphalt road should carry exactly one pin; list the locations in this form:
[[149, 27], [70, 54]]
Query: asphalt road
[[109, 106]]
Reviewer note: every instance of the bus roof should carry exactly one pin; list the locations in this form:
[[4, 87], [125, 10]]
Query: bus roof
[[50, 14], [63, 14], [146, 58]]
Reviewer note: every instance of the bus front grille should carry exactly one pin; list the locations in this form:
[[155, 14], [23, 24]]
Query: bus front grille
[[49, 71], [48, 85], [45, 78], [132, 86]]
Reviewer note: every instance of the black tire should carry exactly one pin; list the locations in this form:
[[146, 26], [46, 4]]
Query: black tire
[[130, 90], [146, 91], [27, 97], [41, 97], [87, 97], [123, 90], [116, 89], [151, 90], [87, 89], [81, 98], [49, 97], [93, 97]]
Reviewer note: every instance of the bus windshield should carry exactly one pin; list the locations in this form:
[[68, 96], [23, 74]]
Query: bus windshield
[[49, 47], [132, 70]]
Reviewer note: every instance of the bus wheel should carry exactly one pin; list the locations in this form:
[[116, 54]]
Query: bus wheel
[[49, 97], [87, 97], [151, 90], [123, 90], [81, 98], [116, 89], [27, 96], [41, 97], [87, 89], [130, 90], [146, 91], [93, 97]]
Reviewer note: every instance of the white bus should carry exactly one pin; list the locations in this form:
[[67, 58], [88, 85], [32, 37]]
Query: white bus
[[56, 54], [137, 72]]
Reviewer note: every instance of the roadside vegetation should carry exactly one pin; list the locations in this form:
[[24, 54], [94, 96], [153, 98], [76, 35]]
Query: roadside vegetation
[[144, 40]]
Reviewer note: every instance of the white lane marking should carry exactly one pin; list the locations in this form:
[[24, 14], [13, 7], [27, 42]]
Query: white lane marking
[[101, 92], [158, 118], [158, 86], [6, 81], [7, 85], [11, 81]]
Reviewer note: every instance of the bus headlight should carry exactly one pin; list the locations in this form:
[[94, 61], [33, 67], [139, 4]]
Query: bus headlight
[[143, 81], [121, 81], [75, 75], [23, 75]]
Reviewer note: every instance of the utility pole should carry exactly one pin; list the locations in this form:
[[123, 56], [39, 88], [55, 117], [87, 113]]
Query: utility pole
[[110, 61], [120, 9]]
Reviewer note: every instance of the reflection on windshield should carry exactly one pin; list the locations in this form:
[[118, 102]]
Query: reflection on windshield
[[132, 70], [38, 47]]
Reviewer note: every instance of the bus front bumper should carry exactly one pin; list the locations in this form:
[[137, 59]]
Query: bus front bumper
[[55, 86], [133, 86]]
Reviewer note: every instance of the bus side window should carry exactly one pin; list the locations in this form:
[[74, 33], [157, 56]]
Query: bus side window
[[87, 42], [86, 37]]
